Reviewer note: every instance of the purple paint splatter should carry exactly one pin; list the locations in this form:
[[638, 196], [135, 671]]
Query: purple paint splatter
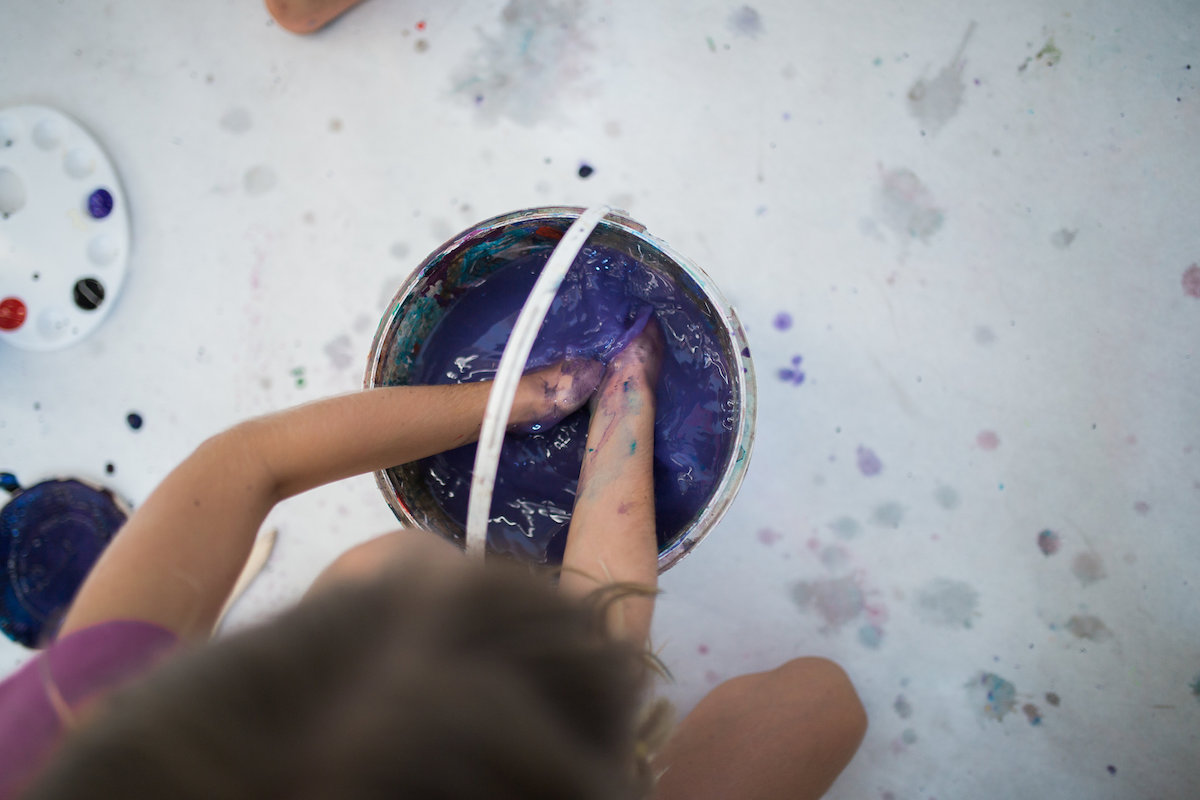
[[793, 375], [1048, 542], [768, 536], [783, 321], [868, 463]]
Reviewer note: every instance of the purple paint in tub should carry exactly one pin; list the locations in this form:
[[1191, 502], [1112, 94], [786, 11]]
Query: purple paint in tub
[[450, 322]]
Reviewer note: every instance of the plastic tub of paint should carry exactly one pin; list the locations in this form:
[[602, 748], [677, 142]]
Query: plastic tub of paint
[[461, 264]]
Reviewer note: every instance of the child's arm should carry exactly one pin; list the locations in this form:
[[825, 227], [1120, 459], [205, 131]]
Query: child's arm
[[176, 559], [612, 535]]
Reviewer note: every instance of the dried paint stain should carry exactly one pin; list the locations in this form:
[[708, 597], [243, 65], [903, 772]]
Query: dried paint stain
[[993, 695], [868, 463], [1088, 567], [888, 515], [907, 205], [1048, 542], [523, 69], [746, 21], [769, 537], [950, 604], [340, 352], [1191, 281], [837, 600], [947, 497], [936, 101], [845, 527], [987, 440], [1089, 627]]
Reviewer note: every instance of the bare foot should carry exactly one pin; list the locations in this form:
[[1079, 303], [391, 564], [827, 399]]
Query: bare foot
[[547, 396]]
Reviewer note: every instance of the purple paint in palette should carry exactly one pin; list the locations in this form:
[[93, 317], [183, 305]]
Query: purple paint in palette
[[599, 307]]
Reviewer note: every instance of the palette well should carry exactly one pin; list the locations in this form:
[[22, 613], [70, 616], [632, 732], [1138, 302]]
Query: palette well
[[64, 230]]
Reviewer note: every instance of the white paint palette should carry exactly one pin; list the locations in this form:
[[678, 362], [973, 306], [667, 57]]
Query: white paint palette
[[64, 230]]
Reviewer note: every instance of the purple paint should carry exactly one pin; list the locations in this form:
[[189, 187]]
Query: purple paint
[[598, 309], [1048, 542], [100, 203], [783, 321], [868, 463], [50, 536], [793, 375]]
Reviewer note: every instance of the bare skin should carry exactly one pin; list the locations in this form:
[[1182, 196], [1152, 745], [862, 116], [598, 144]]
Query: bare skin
[[177, 558], [612, 534], [785, 733]]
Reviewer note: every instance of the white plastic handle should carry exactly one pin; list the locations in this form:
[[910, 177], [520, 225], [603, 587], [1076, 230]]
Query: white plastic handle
[[512, 366]]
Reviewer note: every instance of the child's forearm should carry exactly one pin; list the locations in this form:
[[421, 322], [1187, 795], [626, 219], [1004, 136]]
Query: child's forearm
[[176, 559]]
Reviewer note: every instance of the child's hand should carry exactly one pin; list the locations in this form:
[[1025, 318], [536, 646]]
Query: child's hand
[[546, 396], [634, 369]]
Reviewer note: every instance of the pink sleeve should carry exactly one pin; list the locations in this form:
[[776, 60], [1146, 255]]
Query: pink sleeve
[[82, 666]]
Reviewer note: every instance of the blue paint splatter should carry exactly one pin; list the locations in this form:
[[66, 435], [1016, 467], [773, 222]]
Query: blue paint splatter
[[793, 375], [999, 696], [783, 321], [868, 463], [870, 636]]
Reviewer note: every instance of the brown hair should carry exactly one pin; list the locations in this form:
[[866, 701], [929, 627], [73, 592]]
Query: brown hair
[[486, 685]]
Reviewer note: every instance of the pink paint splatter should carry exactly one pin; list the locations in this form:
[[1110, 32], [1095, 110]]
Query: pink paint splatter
[[868, 463], [1191, 281], [769, 537], [987, 440], [1142, 507], [702, 649]]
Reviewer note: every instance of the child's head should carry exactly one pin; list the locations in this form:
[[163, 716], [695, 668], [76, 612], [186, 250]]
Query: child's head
[[486, 685]]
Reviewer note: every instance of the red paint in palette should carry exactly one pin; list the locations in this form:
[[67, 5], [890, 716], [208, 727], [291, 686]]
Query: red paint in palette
[[12, 313]]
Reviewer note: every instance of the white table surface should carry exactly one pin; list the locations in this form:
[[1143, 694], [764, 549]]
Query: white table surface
[[982, 242]]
